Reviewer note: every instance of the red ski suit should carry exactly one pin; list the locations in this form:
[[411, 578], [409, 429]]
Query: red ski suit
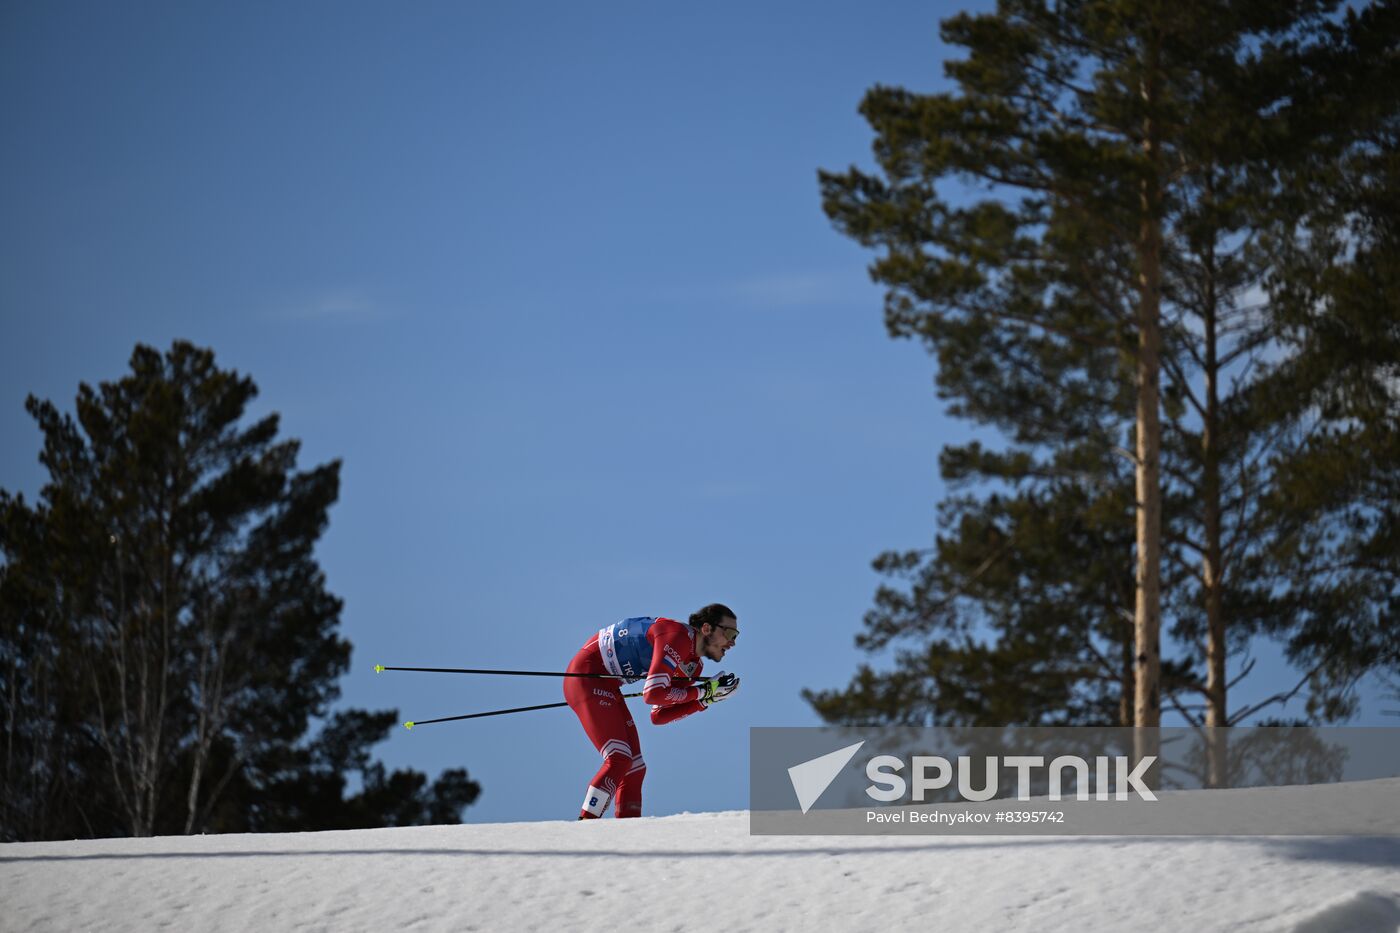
[[600, 707]]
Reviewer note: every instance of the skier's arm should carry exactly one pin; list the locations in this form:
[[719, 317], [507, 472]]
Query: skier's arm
[[669, 647], [712, 691], [661, 715]]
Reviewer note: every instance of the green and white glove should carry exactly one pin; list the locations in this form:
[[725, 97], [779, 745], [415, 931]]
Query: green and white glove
[[717, 688]]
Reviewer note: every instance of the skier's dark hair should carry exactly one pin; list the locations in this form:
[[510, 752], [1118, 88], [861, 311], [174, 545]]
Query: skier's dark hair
[[713, 614]]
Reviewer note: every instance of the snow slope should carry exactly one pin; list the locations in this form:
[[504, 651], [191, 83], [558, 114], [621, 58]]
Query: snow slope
[[696, 872]]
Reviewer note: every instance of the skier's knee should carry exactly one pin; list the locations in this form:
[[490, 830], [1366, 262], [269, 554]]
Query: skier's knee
[[617, 764]]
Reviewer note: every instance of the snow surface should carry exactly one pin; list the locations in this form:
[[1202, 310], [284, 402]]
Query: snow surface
[[697, 871]]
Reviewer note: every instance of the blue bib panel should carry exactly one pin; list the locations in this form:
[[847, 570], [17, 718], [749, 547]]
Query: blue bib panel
[[625, 649]]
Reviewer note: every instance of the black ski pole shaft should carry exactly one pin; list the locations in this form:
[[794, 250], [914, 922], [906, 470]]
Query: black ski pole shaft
[[380, 668], [494, 712]]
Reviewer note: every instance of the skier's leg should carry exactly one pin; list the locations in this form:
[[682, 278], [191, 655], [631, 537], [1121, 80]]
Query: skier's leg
[[629, 789], [603, 713]]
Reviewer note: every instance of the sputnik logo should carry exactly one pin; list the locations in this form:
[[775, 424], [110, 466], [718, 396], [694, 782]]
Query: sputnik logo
[[811, 778]]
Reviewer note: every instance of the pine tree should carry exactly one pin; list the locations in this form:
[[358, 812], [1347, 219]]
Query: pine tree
[[165, 631], [1332, 528], [1136, 159]]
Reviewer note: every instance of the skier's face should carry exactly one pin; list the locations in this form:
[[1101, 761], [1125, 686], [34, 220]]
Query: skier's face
[[720, 639]]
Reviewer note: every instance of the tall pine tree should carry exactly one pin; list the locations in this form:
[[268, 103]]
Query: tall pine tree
[[1135, 159]]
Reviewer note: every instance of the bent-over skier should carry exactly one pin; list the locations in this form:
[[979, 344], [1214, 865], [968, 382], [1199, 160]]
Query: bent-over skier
[[669, 654]]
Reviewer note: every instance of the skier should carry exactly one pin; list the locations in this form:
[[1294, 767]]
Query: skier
[[669, 655]]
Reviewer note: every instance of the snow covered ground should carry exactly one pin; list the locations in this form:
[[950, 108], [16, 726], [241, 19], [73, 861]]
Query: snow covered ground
[[700, 871]]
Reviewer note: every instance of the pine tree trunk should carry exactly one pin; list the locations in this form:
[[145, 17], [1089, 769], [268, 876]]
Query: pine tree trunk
[[1127, 686], [1147, 617], [1212, 571], [1212, 578]]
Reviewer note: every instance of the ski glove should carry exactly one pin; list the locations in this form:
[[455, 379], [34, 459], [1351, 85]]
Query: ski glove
[[717, 688]]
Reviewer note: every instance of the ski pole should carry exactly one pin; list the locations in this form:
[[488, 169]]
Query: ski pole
[[497, 712], [380, 668]]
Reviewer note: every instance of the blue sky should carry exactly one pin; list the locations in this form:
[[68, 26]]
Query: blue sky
[[555, 284]]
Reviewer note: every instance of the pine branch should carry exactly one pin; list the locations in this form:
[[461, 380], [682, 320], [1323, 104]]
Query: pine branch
[[1249, 666], [1278, 697], [1179, 379]]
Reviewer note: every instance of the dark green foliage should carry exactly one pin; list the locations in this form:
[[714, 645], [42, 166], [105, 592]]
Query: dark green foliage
[[1019, 615], [1259, 139], [305, 787], [1334, 512], [166, 635]]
